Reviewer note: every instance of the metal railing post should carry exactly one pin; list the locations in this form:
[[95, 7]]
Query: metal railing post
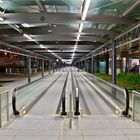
[[63, 106], [126, 111], [77, 112], [14, 103]]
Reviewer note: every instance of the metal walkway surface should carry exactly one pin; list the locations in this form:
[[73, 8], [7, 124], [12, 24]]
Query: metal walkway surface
[[42, 122]]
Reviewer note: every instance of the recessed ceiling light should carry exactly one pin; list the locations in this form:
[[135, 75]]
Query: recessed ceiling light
[[49, 31], [1, 1]]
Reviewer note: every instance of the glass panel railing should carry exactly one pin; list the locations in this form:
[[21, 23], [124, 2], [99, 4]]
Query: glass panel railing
[[136, 106], [4, 108], [116, 95], [25, 96]]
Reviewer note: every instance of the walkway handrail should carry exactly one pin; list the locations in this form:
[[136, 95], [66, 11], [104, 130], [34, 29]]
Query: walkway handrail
[[14, 94], [76, 94], [124, 90], [135, 94], [63, 98]]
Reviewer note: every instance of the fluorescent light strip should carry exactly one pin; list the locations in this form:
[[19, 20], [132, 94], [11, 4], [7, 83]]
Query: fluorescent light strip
[[27, 36], [78, 36], [86, 7], [25, 25], [50, 51], [80, 27], [41, 46]]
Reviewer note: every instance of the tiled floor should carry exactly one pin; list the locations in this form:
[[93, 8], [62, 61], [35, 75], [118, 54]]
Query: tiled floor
[[85, 128]]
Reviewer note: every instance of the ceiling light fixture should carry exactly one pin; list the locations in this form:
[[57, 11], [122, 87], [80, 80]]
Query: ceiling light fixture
[[27, 36], [1, 1], [41, 46], [50, 51], [86, 7], [78, 36], [80, 27], [2, 19], [25, 25], [49, 31], [16, 27]]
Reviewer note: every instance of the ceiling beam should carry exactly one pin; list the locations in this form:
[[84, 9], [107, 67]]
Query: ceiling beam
[[56, 43], [59, 31], [61, 46], [65, 51], [54, 38], [59, 18]]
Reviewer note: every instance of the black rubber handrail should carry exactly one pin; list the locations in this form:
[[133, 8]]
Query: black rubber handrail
[[126, 111], [14, 94], [63, 97]]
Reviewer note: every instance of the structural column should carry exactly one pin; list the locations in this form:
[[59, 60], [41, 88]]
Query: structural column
[[42, 68], [29, 68], [113, 62], [92, 65], [53, 66], [85, 66], [139, 54], [49, 67], [107, 63]]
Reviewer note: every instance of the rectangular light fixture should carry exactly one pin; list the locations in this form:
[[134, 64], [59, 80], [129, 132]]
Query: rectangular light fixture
[[41, 46], [27, 36], [50, 51], [75, 49], [25, 25], [86, 7], [78, 36], [1, 19], [1, 1], [80, 27]]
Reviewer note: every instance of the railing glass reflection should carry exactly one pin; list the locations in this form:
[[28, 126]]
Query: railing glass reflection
[[4, 108], [116, 94], [136, 106]]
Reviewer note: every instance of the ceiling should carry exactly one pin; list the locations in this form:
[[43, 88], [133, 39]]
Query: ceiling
[[55, 28]]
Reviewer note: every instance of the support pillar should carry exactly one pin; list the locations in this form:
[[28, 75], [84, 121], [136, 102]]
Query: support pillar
[[29, 68], [85, 66], [42, 68], [113, 62], [107, 63], [92, 65], [53, 66]]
